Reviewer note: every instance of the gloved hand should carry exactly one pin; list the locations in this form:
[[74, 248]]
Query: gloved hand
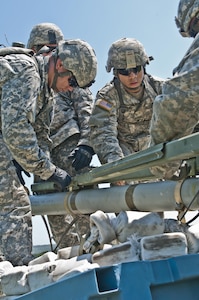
[[19, 170], [61, 179], [81, 156]]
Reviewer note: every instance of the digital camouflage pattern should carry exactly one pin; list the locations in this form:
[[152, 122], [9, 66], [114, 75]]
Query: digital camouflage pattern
[[42, 34], [20, 112], [175, 111], [70, 124], [25, 101], [187, 9], [126, 53], [69, 129], [15, 213], [79, 58], [119, 130], [71, 115]]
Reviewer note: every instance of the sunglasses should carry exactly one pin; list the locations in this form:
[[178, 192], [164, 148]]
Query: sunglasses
[[72, 80], [127, 72]]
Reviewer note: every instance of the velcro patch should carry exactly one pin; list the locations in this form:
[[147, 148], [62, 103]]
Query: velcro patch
[[104, 104]]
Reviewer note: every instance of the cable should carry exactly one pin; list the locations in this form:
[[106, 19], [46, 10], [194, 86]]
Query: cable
[[188, 207], [48, 232], [66, 230]]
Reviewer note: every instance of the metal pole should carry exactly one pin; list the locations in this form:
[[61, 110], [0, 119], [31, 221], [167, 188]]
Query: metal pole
[[151, 196]]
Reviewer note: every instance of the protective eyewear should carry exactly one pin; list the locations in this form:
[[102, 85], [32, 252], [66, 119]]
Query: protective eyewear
[[127, 72], [72, 80]]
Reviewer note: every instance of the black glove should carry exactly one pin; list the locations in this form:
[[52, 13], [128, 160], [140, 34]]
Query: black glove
[[61, 179], [81, 156], [19, 170]]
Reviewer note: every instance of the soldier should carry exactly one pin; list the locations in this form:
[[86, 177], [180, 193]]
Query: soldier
[[175, 111], [123, 108], [70, 149], [26, 108]]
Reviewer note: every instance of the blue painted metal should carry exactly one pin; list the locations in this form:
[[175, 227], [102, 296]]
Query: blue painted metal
[[173, 278]]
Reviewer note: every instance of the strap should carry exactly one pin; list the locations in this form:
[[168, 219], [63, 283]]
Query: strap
[[118, 88], [152, 83], [16, 50]]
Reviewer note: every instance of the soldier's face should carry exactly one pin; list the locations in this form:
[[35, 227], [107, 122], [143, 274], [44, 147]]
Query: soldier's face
[[132, 80], [63, 84], [63, 80]]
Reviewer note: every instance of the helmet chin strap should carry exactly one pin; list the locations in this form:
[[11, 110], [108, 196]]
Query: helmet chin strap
[[56, 75]]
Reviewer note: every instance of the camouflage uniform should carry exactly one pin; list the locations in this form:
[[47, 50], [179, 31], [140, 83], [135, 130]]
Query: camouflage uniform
[[175, 111], [69, 129], [122, 129], [20, 86], [120, 124], [26, 112]]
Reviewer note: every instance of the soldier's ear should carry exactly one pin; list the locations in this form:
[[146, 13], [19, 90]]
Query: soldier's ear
[[59, 66]]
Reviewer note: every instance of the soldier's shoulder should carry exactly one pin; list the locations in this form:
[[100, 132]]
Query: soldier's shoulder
[[107, 90], [155, 78], [106, 97], [81, 93]]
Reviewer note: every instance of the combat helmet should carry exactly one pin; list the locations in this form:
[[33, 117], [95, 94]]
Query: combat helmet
[[79, 58], [126, 53], [187, 10], [44, 34]]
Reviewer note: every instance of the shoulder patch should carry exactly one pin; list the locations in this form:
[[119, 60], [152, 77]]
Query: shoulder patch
[[104, 104]]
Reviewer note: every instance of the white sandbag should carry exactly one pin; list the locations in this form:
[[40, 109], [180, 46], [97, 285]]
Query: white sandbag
[[163, 246], [191, 232], [39, 275], [4, 267], [46, 257], [64, 266], [103, 222], [125, 252], [192, 235], [126, 225], [101, 231], [77, 270], [8, 297], [68, 252], [10, 281]]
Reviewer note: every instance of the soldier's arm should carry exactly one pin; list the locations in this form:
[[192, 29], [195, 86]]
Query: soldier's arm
[[83, 104], [18, 116], [103, 124]]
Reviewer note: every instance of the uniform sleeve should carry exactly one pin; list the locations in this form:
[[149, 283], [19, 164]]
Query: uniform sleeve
[[83, 104], [158, 82], [42, 125], [175, 111], [103, 124], [18, 111]]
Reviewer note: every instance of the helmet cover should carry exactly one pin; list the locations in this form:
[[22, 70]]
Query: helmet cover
[[126, 53], [187, 10], [44, 34], [79, 58]]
